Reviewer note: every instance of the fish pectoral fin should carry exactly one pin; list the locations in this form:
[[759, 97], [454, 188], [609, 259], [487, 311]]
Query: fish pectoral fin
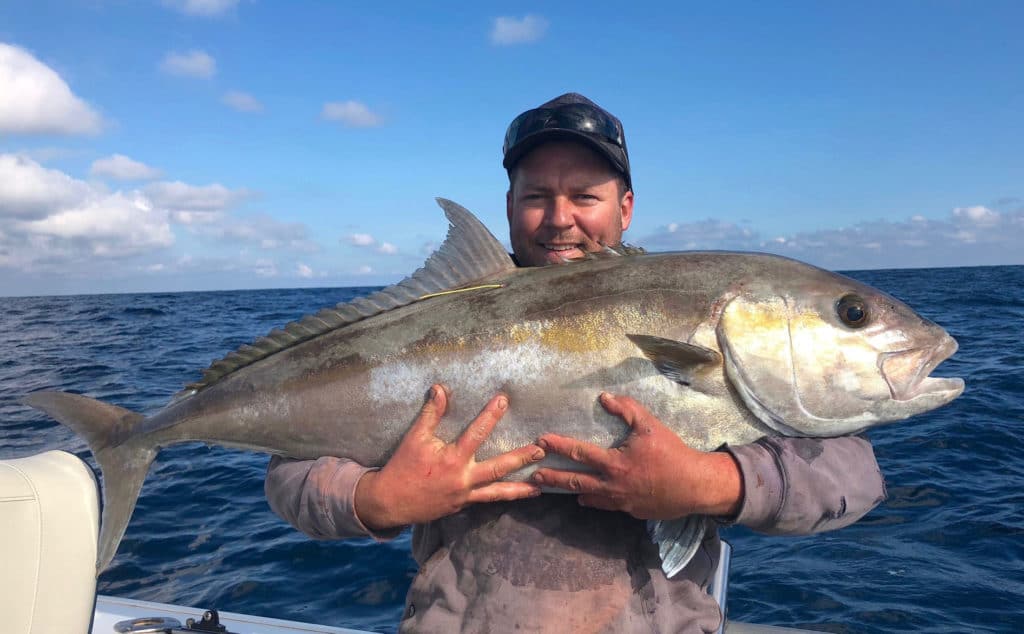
[[677, 360], [677, 541]]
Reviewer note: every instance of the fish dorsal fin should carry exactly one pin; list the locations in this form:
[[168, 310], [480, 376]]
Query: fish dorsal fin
[[675, 359], [469, 253]]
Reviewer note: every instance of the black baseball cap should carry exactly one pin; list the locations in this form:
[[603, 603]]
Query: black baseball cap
[[570, 117]]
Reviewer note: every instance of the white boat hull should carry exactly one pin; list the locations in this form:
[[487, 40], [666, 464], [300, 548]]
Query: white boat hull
[[113, 610]]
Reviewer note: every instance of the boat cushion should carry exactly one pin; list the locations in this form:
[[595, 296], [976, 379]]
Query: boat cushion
[[49, 521]]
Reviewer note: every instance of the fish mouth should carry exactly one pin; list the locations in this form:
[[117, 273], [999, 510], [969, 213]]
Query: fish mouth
[[908, 372]]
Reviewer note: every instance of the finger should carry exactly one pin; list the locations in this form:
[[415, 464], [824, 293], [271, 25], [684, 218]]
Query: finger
[[432, 411], [569, 480], [626, 408], [577, 450], [498, 467], [482, 425], [504, 492]]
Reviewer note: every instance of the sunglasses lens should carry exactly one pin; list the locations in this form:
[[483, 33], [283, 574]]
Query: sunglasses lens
[[573, 117]]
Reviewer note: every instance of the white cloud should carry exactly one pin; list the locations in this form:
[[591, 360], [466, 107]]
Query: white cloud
[[192, 204], [192, 218], [54, 223], [353, 114], [364, 269], [507, 31], [261, 231], [112, 226], [361, 239], [265, 268], [202, 8], [706, 234], [978, 215], [365, 240], [34, 99], [192, 64], [242, 266], [44, 154], [30, 191], [967, 236], [120, 167], [242, 102]]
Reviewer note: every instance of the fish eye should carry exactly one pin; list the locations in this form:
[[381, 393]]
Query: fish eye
[[852, 311]]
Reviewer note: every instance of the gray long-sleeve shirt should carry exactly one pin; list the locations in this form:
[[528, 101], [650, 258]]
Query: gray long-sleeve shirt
[[548, 564]]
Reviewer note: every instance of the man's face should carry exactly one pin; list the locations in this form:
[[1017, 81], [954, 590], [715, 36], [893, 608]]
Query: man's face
[[565, 202]]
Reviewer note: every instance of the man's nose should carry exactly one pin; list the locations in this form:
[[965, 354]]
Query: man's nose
[[561, 213]]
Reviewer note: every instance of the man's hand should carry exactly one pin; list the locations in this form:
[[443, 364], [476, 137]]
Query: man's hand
[[652, 475], [427, 479]]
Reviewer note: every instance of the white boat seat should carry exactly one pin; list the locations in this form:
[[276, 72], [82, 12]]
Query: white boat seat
[[49, 525]]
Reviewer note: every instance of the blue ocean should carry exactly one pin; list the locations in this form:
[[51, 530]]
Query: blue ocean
[[944, 552]]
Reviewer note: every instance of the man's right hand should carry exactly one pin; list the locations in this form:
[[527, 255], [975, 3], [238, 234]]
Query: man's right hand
[[427, 478]]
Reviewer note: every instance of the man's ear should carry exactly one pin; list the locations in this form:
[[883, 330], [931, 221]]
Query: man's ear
[[627, 209], [508, 205]]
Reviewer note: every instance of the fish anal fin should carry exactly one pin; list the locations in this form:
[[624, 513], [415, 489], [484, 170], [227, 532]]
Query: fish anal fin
[[677, 360]]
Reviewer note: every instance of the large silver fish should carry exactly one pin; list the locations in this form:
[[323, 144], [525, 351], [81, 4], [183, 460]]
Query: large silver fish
[[723, 347]]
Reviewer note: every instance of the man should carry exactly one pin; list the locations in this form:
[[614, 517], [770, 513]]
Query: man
[[565, 563]]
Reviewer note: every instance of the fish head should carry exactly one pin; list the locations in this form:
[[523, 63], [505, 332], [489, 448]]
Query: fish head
[[813, 353]]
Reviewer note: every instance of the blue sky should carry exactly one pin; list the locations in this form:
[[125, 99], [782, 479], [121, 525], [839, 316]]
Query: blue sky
[[218, 144]]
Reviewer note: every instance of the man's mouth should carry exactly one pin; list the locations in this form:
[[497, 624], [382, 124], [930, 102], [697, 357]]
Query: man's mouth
[[562, 247]]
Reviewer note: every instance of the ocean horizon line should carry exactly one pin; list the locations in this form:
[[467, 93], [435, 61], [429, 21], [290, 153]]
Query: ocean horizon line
[[373, 287]]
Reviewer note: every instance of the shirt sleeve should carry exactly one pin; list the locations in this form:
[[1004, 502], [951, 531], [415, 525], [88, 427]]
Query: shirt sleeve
[[318, 497], [799, 486]]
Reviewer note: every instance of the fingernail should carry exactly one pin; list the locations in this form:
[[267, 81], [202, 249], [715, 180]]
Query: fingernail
[[537, 455], [502, 403], [543, 444], [535, 493], [431, 393], [607, 396], [537, 478]]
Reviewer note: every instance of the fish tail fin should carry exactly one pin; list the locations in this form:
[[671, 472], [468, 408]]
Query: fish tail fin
[[124, 460], [677, 541]]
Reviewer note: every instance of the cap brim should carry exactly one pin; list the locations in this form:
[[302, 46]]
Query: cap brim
[[605, 149]]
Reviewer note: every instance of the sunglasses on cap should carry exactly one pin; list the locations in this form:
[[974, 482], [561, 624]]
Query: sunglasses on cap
[[577, 117]]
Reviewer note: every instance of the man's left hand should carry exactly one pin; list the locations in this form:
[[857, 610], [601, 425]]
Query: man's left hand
[[652, 475]]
